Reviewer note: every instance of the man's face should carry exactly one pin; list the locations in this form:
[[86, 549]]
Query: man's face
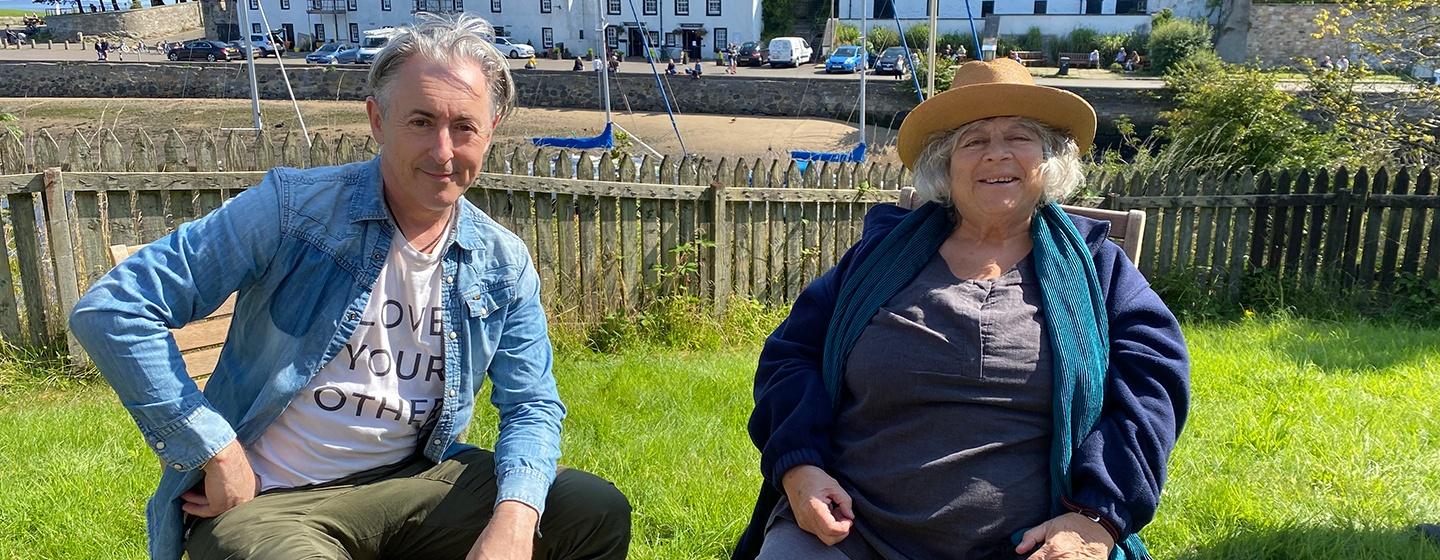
[[434, 131]]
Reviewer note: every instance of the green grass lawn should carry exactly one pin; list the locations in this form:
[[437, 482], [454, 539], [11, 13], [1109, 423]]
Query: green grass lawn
[[1306, 440], [10, 12]]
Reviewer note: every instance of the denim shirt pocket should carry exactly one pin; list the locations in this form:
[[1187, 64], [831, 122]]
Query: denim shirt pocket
[[489, 295]]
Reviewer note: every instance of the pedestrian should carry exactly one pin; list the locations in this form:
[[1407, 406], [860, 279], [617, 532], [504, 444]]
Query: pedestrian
[[579, 66], [1120, 56], [1095, 58], [395, 301], [615, 63], [99, 51], [530, 64], [731, 53], [1326, 64], [1343, 64], [669, 67]]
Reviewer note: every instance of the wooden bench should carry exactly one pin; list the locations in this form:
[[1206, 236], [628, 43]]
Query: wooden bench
[[201, 340], [1078, 59], [1031, 58], [1127, 228]]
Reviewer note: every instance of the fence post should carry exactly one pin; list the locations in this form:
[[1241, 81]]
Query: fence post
[[61, 246], [720, 233]]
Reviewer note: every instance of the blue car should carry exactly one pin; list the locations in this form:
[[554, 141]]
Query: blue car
[[334, 53], [845, 59]]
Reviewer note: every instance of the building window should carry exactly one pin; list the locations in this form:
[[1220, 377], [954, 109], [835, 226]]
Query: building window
[[354, 33], [1040, 6], [712, 7], [987, 8], [722, 38], [654, 38], [352, 5], [384, 5], [669, 39], [1092, 7], [255, 4], [652, 7], [612, 37], [284, 4], [255, 28], [547, 37], [612, 7], [319, 32], [682, 7], [545, 6], [494, 6], [500, 31]]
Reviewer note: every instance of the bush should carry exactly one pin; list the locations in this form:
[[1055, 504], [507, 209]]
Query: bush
[[779, 18], [955, 41], [1080, 39], [881, 38], [918, 36], [1226, 119], [1173, 40], [846, 34]]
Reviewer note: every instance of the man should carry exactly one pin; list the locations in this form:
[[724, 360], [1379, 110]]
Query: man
[[373, 303], [1094, 58]]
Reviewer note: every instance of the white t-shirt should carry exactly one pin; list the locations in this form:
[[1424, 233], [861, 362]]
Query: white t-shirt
[[364, 408]]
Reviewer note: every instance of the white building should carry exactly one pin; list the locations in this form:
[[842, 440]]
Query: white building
[[700, 26], [1016, 17]]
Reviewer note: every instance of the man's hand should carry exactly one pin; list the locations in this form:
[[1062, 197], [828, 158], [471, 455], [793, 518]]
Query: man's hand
[[509, 535], [229, 482], [821, 506], [1069, 537]]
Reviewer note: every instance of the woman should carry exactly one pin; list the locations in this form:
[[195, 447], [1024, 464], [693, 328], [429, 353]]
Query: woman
[[982, 377]]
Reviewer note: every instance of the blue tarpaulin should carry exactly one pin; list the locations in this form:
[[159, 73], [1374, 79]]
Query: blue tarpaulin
[[857, 155], [605, 140]]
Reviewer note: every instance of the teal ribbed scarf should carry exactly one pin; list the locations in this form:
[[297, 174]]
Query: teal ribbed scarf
[[1074, 314]]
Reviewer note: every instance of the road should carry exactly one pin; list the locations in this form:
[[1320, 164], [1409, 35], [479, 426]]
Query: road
[[1101, 79]]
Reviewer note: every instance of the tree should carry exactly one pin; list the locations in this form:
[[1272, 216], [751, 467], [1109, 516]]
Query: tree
[[1394, 35]]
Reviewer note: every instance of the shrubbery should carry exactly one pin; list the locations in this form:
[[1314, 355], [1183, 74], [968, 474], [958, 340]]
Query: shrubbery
[[918, 36], [1171, 40], [881, 38]]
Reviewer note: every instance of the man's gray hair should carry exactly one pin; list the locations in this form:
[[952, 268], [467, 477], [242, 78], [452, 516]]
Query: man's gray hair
[[446, 40], [1061, 171]]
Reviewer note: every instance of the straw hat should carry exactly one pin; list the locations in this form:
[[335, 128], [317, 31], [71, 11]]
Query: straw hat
[[999, 88]]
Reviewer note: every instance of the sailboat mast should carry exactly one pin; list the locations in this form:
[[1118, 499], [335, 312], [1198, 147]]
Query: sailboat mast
[[250, 66], [864, 62], [604, 57]]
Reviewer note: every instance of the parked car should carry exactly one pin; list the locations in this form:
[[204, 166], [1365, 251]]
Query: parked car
[[334, 53], [269, 45], [239, 46], [752, 54], [513, 50], [204, 50], [371, 41], [894, 61], [789, 51], [848, 58]]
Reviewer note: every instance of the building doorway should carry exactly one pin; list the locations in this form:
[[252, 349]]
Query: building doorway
[[693, 41], [635, 42]]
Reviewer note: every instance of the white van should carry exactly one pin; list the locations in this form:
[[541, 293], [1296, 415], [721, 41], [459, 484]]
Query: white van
[[789, 51], [371, 41]]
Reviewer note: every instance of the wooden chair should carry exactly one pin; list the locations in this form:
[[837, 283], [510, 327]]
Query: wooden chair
[[1127, 229], [201, 340]]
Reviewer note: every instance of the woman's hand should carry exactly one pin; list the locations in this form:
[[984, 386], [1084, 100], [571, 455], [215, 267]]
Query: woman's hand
[[1069, 537], [821, 507]]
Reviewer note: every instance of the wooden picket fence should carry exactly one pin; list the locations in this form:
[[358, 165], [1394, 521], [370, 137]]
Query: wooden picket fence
[[611, 233]]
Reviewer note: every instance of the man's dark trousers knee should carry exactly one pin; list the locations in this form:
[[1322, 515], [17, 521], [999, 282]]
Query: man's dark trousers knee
[[413, 509]]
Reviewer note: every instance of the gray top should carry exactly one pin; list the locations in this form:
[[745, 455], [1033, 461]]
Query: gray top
[[943, 433]]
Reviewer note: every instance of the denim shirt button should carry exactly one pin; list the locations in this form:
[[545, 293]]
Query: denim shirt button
[[159, 445], [436, 441], [178, 467], [453, 335], [449, 279], [352, 316], [451, 393], [378, 256]]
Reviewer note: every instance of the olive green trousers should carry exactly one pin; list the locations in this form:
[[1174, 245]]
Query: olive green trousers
[[412, 509]]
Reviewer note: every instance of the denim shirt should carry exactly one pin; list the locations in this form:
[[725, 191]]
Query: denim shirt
[[303, 250]]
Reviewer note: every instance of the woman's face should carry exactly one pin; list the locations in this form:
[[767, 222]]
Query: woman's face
[[995, 171]]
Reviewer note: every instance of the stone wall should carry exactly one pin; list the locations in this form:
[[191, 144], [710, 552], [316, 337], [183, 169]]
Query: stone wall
[[887, 100], [158, 21], [1281, 33]]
